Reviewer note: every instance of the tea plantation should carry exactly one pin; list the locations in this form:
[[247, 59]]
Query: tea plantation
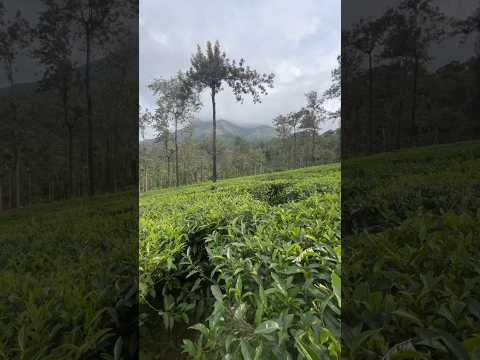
[[246, 269], [411, 247], [250, 268], [68, 279]]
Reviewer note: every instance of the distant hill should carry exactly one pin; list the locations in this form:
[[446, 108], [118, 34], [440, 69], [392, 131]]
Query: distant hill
[[229, 131], [98, 73]]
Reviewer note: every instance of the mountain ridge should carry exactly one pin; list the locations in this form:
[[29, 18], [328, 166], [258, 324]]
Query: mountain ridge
[[229, 130], [226, 131]]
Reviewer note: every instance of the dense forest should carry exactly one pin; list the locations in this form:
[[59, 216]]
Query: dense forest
[[409, 78], [62, 128], [176, 156], [238, 154]]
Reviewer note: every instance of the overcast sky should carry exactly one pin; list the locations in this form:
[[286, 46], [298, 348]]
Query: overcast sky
[[297, 40]]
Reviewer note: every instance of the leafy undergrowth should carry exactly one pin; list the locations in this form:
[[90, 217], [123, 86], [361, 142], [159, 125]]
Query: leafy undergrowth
[[68, 280], [411, 271], [246, 269]]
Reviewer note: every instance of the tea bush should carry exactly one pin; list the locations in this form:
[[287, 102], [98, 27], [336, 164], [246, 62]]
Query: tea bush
[[246, 269], [411, 270], [68, 280]]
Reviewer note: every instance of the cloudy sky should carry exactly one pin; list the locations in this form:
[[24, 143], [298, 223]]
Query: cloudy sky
[[297, 40]]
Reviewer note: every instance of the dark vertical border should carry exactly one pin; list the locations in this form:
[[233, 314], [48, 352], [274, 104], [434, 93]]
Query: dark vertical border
[[69, 179], [410, 171]]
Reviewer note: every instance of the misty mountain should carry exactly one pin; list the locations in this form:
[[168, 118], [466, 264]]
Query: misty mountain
[[229, 131]]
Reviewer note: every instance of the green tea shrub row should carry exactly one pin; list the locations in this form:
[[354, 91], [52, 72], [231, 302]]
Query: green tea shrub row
[[251, 265], [412, 220], [67, 280]]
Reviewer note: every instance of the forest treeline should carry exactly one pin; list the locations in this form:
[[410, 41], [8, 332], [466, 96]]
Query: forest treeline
[[236, 157], [66, 134], [410, 77], [175, 160]]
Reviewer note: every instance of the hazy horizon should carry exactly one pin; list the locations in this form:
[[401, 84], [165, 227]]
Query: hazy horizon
[[149, 136]]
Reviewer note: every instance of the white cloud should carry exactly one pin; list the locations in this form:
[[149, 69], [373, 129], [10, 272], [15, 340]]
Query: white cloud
[[298, 41], [159, 38], [302, 30], [286, 72]]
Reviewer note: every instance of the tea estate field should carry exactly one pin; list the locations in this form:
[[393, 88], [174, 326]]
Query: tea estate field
[[69, 279], [411, 254], [248, 268]]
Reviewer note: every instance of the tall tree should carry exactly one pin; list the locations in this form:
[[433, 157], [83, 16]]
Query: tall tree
[[281, 123], [468, 27], [15, 35], [163, 135], [294, 120], [176, 101], [54, 50], [144, 119], [420, 24], [95, 19], [212, 69], [335, 89], [368, 36], [350, 88], [281, 126], [313, 115]]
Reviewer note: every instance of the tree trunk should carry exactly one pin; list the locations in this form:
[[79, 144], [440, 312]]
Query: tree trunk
[[70, 161], [114, 167], [29, 190], [414, 100], [91, 175], [15, 174], [145, 188], [214, 139], [177, 179], [168, 170], [10, 191], [167, 155], [313, 145], [399, 121], [17, 179], [294, 147], [51, 190], [185, 177], [356, 145], [370, 102]]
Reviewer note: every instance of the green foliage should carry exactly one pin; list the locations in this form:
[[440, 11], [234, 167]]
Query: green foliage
[[411, 219], [66, 279], [212, 68], [251, 266]]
